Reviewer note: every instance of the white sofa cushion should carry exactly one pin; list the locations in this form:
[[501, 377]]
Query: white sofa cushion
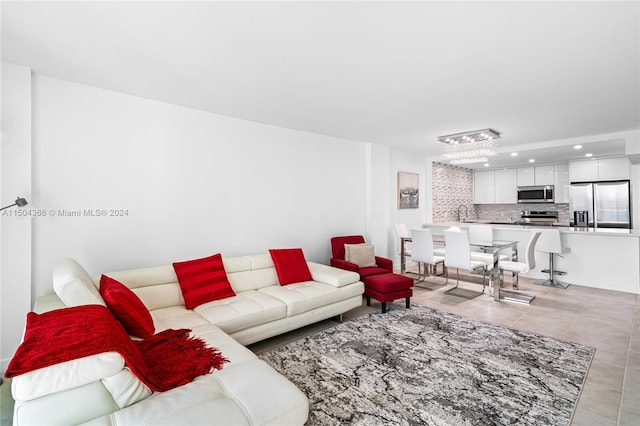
[[144, 277], [74, 285], [125, 388], [66, 375], [261, 272], [330, 275], [234, 395], [176, 317], [70, 407], [308, 295], [156, 286], [246, 309]]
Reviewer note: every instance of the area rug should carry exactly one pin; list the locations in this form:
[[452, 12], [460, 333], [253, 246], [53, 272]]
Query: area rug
[[425, 367]]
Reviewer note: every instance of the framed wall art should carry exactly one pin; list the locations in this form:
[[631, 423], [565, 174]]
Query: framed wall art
[[408, 185]]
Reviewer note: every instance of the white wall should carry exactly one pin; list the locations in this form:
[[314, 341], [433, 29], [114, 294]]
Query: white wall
[[635, 196], [193, 183], [413, 218], [15, 232], [378, 193]]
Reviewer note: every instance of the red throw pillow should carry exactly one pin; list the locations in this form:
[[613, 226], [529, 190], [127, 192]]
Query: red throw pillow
[[203, 280], [127, 308], [291, 265]]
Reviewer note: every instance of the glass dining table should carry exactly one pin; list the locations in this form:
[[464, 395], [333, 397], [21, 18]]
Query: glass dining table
[[493, 247]]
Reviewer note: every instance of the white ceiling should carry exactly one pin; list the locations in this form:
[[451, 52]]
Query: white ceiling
[[394, 73]]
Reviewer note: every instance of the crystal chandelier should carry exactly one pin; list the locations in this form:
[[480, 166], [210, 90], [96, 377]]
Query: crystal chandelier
[[469, 147]]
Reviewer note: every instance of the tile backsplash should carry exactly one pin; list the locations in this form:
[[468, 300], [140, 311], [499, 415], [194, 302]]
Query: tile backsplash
[[453, 187], [502, 212]]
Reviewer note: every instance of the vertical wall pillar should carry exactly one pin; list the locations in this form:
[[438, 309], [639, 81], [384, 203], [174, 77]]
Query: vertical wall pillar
[[379, 194], [15, 231]]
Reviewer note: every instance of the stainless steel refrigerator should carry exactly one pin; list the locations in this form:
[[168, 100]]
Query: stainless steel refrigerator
[[608, 203]]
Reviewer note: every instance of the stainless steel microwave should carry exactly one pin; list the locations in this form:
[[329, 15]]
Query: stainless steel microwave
[[535, 194]]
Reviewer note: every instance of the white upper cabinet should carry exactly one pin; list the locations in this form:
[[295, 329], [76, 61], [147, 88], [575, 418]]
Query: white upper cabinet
[[595, 170], [526, 176], [613, 169], [544, 175], [561, 183], [483, 187], [583, 171], [506, 182]]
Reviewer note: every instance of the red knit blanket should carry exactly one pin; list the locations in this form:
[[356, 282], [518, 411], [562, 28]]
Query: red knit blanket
[[166, 360]]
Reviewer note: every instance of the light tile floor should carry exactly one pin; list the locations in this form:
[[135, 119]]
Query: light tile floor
[[606, 320]]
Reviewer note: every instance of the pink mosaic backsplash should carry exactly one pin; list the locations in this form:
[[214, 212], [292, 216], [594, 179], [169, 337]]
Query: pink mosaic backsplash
[[452, 187]]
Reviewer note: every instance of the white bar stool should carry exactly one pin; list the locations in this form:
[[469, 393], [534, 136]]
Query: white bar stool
[[550, 242]]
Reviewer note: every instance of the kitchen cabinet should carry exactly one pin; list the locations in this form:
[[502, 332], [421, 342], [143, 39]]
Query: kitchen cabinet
[[505, 185], [500, 186], [484, 187], [613, 169], [583, 171], [561, 183], [526, 176], [544, 175], [597, 170]]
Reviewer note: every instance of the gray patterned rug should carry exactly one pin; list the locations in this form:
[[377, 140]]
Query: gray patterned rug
[[426, 367]]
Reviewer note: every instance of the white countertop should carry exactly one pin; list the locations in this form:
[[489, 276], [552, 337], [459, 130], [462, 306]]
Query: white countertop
[[563, 229]]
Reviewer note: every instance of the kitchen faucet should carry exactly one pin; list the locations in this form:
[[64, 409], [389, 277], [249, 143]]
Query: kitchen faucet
[[466, 215]]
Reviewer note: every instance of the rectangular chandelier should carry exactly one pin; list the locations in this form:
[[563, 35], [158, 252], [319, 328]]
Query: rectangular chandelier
[[470, 137], [469, 147]]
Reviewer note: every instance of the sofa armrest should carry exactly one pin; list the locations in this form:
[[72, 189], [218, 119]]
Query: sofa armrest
[[343, 264], [331, 275], [65, 375], [384, 263]]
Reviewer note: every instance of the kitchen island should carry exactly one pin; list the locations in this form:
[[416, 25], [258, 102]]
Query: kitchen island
[[606, 258]]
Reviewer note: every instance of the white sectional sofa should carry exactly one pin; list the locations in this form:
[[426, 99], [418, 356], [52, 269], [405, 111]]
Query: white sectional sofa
[[101, 390]]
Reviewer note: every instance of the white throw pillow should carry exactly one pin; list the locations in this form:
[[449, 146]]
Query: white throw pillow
[[360, 254]]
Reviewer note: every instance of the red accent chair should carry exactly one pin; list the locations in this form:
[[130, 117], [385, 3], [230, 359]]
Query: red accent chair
[[383, 265]]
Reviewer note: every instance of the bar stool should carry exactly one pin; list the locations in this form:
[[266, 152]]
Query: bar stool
[[550, 242]]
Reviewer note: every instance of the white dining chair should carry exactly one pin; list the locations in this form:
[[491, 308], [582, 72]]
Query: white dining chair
[[423, 254], [517, 268], [482, 232], [458, 256], [551, 243]]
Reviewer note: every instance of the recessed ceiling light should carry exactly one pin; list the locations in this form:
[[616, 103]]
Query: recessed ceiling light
[[588, 154], [514, 154], [531, 160], [577, 147], [486, 164]]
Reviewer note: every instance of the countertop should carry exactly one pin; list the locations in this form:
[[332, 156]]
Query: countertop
[[564, 228]]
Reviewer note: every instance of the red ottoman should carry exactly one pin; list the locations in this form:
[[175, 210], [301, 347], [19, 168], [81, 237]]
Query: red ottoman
[[388, 287]]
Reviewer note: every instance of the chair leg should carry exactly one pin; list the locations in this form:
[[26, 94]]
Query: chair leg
[[384, 307], [407, 302], [461, 292], [368, 300], [420, 274], [514, 280]]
